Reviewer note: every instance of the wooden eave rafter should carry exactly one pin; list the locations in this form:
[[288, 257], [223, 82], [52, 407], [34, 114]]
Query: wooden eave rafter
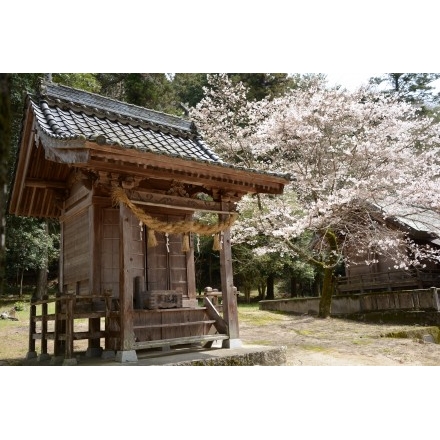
[[146, 164], [24, 156]]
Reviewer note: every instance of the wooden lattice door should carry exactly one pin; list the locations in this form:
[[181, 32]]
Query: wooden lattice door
[[166, 264]]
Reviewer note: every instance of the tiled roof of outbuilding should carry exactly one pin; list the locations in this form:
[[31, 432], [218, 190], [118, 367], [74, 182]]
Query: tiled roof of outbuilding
[[67, 114]]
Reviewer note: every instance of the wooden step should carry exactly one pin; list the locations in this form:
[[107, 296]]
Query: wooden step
[[179, 341], [177, 324]]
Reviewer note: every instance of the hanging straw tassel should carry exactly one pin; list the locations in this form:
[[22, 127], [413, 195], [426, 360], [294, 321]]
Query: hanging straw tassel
[[217, 246], [152, 242], [185, 242]]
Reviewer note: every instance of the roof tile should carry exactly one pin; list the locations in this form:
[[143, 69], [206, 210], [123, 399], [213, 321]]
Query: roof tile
[[66, 113]]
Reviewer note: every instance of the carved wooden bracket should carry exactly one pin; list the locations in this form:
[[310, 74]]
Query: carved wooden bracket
[[177, 189]]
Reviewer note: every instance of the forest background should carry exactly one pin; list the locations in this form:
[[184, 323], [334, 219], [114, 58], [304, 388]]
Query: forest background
[[32, 245]]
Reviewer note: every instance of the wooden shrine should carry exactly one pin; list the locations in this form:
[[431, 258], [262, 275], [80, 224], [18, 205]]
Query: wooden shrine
[[127, 185]]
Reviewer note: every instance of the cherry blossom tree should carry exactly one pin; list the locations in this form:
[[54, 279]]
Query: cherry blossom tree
[[355, 159]]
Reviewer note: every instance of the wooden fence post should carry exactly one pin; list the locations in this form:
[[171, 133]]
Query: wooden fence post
[[32, 327]]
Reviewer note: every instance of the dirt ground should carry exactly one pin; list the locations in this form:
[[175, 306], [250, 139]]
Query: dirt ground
[[312, 341]]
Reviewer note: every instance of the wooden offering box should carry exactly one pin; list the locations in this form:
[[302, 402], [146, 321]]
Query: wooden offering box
[[164, 299]]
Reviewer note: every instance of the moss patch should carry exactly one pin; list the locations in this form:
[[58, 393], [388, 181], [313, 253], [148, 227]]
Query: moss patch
[[316, 348], [304, 332], [417, 334]]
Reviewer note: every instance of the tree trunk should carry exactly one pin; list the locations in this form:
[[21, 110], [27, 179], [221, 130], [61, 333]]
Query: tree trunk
[[293, 288], [325, 302], [21, 283], [247, 295], [261, 291], [270, 292], [41, 290], [316, 287]]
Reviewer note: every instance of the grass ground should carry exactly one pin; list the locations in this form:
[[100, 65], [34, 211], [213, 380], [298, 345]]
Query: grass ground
[[14, 335]]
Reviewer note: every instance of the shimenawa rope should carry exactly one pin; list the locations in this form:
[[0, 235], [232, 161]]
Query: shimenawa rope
[[184, 227]]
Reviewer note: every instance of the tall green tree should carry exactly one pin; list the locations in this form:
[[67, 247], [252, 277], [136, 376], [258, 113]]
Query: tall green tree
[[5, 137], [265, 85], [30, 246], [150, 90], [188, 88], [83, 81], [416, 88]]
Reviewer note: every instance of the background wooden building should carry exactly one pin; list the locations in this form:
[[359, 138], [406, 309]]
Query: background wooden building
[[420, 225], [125, 183]]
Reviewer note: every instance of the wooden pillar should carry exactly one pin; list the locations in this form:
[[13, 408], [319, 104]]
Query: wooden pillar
[[70, 298], [60, 325], [94, 349], [230, 313], [126, 283], [60, 328], [191, 272], [32, 329], [44, 327]]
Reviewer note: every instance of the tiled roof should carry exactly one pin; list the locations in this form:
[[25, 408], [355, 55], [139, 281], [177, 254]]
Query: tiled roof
[[418, 220], [67, 114], [421, 220]]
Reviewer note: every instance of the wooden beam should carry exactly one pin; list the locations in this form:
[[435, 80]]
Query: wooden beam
[[211, 311], [184, 203], [38, 183], [141, 163]]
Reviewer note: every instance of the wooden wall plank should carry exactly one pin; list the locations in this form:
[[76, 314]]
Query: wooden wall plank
[[76, 245], [110, 251]]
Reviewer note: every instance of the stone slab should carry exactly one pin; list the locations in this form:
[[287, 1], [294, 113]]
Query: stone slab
[[126, 356]]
